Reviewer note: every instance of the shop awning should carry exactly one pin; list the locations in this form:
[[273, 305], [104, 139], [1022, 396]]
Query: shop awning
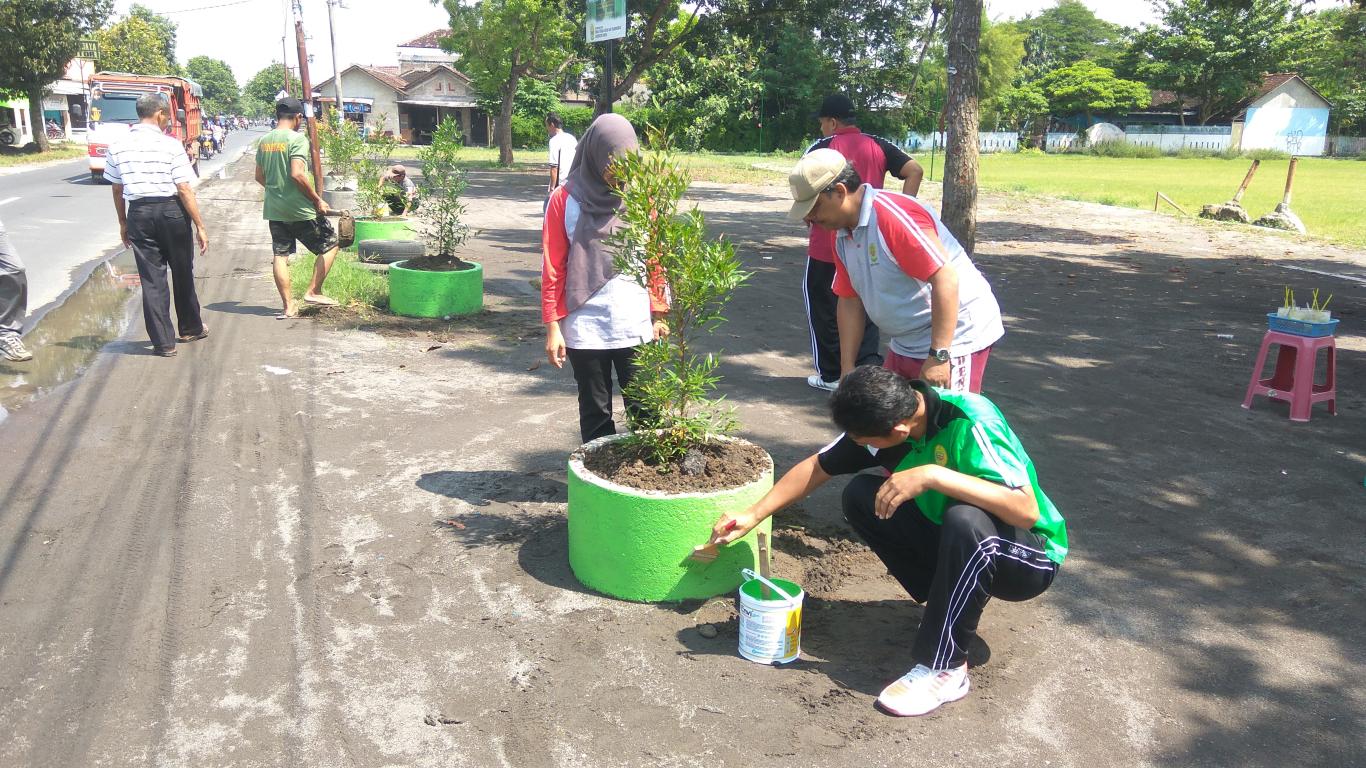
[[450, 103]]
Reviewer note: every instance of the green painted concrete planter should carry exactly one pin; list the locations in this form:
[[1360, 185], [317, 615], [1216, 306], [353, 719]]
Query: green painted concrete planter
[[419, 293], [390, 228], [631, 544]]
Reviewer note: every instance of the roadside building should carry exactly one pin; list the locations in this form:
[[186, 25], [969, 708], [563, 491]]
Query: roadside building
[[412, 97], [1285, 114]]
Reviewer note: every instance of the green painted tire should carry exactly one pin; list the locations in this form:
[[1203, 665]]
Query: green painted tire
[[374, 229], [632, 544], [419, 293]]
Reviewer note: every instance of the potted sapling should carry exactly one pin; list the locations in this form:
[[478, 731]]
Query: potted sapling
[[341, 147], [373, 220], [440, 283], [1313, 319], [640, 502]]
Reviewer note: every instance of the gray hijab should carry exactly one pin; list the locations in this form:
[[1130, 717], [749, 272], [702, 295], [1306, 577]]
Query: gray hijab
[[589, 264]]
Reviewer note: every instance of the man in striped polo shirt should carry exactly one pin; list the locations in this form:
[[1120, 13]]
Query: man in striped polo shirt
[[151, 173], [873, 157], [896, 263]]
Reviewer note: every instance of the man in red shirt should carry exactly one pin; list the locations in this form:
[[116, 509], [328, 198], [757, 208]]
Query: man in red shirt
[[873, 157]]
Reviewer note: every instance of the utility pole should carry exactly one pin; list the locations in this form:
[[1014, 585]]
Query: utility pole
[[336, 73], [307, 86], [284, 64]]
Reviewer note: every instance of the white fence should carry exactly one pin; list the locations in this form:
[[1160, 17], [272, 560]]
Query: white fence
[[1003, 141], [1172, 142], [1059, 142]]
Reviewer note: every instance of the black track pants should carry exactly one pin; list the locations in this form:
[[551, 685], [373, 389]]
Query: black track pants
[[954, 568]]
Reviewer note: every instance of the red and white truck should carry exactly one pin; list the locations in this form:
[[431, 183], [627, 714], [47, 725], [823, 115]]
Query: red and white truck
[[113, 111]]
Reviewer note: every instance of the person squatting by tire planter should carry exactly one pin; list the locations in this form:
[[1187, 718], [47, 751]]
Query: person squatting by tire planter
[[435, 293]]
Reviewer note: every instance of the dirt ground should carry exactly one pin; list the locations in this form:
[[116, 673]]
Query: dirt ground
[[342, 543]]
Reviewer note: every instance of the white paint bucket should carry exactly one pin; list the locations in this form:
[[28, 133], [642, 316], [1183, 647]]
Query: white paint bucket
[[770, 630]]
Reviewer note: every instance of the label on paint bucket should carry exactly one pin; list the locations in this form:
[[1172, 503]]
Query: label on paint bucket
[[770, 630]]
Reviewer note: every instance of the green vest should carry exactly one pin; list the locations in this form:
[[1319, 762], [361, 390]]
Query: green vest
[[968, 434]]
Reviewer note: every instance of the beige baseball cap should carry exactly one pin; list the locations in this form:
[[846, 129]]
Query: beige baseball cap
[[809, 176]]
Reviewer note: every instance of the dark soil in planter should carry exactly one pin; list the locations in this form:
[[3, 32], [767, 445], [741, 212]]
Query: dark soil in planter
[[438, 264], [710, 467]]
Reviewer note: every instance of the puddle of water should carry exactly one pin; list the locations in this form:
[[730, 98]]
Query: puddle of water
[[67, 339]]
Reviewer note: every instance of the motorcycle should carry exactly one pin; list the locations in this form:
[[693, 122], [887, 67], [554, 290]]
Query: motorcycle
[[205, 146], [54, 131]]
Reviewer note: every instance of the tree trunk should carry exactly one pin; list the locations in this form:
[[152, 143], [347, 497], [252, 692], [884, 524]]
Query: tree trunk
[[35, 118], [959, 208], [505, 124]]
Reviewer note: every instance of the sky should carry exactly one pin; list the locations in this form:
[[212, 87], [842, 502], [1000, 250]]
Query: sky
[[246, 33]]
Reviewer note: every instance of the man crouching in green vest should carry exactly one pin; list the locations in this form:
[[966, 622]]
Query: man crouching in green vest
[[961, 518]]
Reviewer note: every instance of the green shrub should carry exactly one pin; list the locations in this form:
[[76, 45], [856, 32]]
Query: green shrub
[[445, 183], [673, 381], [1266, 154], [1121, 148], [576, 119], [528, 131], [1030, 152], [1108, 200]]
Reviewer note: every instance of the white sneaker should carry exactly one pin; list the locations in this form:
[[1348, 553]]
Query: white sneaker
[[13, 349], [922, 690], [815, 380]]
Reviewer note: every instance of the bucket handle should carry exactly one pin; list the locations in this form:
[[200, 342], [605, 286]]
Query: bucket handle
[[751, 575]]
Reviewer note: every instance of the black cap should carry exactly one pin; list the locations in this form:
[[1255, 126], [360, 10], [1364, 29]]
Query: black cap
[[288, 107], [838, 106]]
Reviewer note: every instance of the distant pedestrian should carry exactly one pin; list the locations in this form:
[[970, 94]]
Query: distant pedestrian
[[151, 174], [896, 263], [594, 316], [562, 148], [13, 301], [873, 157], [294, 209]]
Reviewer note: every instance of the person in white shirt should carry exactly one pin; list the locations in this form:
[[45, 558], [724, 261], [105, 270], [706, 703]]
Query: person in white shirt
[[561, 157], [151, 175]]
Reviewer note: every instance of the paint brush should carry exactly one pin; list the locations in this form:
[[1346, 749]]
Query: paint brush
[[763, 563], [706, 553]]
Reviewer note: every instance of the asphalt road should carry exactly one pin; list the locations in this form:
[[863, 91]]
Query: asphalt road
[[62, 223]]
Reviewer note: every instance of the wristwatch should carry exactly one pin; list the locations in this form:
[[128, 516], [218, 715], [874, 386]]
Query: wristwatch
[[942, 355]]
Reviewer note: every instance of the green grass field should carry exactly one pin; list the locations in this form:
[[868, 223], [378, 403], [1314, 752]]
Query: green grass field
[[1325, 196]]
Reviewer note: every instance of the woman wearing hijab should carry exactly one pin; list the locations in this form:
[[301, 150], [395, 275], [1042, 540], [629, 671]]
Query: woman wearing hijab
[[594, 317]]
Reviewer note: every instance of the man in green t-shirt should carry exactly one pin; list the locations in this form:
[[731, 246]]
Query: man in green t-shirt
[[295, 211], [957, 515]]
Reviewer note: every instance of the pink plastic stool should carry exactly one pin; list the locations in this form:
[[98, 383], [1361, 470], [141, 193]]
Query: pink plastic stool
[[1293, 381]]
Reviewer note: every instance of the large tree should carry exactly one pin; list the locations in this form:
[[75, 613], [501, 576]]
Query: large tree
[[707, 96], [132, 45], [165, 31], [1328, 48], [221, 95], [1086, 88], [258, 96], [40, 38], [1213, 52], [959, 207], [1067, 33], [502, 41]]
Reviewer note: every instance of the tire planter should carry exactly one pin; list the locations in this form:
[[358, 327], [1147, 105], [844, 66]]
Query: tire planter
[[389, 251], [419, 293], [632, 544], [390, 228], [340, 199]]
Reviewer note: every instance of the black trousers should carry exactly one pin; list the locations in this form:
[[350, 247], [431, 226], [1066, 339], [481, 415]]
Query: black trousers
[[161, 234], [593, 373], [954, 568], [825, 335]]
